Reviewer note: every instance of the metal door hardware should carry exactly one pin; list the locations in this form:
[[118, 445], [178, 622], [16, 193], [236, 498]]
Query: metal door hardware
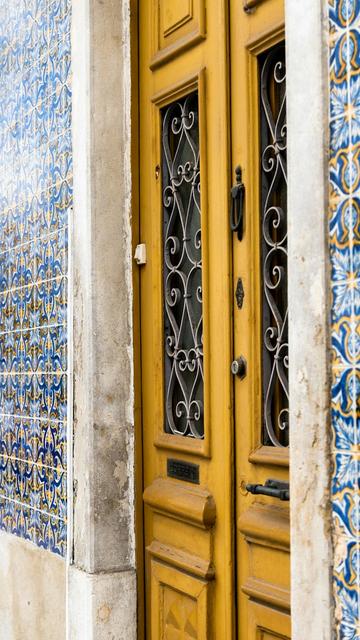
[[239, 293], [272, 488], [238, 367], [182, 470], [237, 204]]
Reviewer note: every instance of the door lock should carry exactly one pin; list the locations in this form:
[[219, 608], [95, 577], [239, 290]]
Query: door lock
[[238, 367], [272, 488]]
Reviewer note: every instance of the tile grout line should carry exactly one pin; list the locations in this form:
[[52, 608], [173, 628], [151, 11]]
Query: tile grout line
[[6, 458], [27, 506]]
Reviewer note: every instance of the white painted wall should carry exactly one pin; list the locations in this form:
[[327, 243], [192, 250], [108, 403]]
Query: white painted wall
[[32, 587]]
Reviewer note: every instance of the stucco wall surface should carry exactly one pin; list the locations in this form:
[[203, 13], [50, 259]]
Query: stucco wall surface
[[32, 593]]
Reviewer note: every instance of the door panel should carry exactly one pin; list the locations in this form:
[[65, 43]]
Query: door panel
[[267, 624], [260, 324], [186, 319], [179, 604], [177, 25]]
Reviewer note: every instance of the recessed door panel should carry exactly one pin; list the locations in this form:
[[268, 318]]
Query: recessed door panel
[[177, 25]]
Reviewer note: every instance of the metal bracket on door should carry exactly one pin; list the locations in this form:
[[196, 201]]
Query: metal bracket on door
[[272, 488], [237, 204]]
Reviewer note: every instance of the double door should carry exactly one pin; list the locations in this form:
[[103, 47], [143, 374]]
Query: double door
[[214, 319]]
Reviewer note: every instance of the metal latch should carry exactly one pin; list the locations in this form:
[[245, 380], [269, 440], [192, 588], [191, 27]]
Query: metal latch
[[272, 488]]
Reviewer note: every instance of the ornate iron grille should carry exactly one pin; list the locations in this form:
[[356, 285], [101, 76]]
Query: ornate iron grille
[[274, 248], [183, 326]]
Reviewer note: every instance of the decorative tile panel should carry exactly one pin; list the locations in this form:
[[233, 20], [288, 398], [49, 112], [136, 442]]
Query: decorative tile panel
[[35, 198], [344, 229]]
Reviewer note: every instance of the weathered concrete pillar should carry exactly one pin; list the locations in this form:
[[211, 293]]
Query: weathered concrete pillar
[[102, 581], [309, 292]]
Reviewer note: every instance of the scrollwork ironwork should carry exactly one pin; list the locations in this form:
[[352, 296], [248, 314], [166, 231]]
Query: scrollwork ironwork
[[183, 317], [274, 247]]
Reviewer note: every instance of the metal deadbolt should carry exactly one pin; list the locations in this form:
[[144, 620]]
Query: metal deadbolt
[[238, 367]]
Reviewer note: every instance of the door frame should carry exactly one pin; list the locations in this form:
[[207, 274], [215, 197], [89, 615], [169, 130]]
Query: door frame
[[309, 329], [307, 32]]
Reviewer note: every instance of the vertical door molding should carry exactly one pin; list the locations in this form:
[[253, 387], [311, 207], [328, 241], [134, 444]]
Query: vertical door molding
[[309, 350]]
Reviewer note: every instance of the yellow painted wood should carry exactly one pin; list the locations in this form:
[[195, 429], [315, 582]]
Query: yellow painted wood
[[177, 54], [266, 623], [175, 13], [176, 26], [180, 604], [183, 501], [203, 540], [180, 559], [263, 529]]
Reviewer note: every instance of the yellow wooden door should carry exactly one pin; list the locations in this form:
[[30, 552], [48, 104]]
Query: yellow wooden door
[[208, 548], [186, 318], [258, 128]]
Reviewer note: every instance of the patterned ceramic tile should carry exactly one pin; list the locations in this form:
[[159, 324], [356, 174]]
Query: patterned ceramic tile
[[346, 430], [344, 220], [35, 199]]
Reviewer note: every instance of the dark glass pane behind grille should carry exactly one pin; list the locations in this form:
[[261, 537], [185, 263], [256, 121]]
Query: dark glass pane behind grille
[[274, 248], [182, 266]]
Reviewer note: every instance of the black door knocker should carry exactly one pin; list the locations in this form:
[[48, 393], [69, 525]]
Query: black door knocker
[[237, 204]]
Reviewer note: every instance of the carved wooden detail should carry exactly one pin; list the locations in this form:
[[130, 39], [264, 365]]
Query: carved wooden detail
[[182, 560], [267, 524], [266, 530], [173, 15], [178, 24], [266, 623], [267, 592], [180, 615], [185, 503], [270, 456], [179, 604]]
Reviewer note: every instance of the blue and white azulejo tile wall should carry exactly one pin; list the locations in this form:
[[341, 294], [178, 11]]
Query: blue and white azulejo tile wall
[[35, 199], [344, 226]]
